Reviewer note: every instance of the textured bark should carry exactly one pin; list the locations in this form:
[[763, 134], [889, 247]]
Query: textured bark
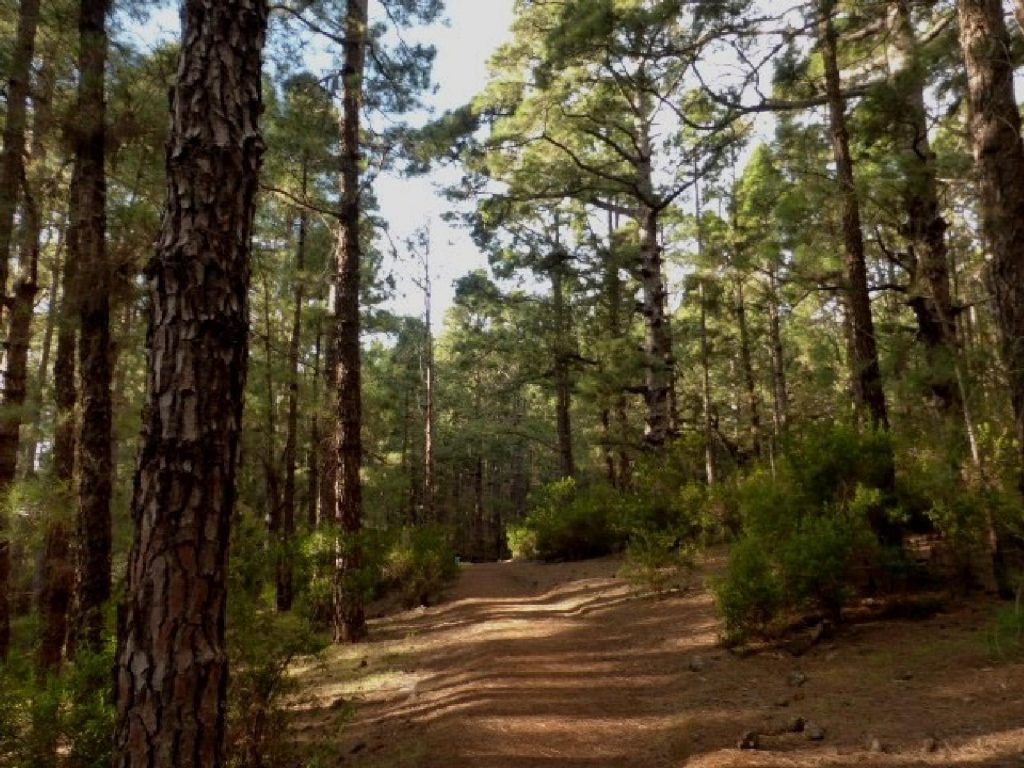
[[12, 170], [285, 589], [349, 614], [995, 127], [865, 368], [12, 160], [660, 362], [925, 228], [172, 662], [87, 248], [749, 378]]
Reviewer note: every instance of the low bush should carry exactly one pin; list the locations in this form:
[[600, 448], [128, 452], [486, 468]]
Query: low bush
[[418, 564], [569, 523]]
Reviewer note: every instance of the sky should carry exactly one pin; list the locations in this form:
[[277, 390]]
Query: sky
[[472, 32]]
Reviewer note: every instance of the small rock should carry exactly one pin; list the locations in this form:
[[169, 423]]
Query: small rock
[[931, 745], [750, 740], [874, 745], [798, 678], [796, 725], [814, 732], [697, 664], [783, 702], [358, 748], [904, 677]]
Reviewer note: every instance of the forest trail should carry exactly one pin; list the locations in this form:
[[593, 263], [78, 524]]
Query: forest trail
[[529, 666]]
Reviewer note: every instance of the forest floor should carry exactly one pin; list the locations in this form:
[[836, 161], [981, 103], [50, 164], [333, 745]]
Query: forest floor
[[528, 666]]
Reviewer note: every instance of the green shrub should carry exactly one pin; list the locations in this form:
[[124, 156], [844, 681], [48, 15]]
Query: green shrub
[[418, 565], [262, 644], [750, 595], [657, 561], [73, 713], [570, 523], [1005, 638]]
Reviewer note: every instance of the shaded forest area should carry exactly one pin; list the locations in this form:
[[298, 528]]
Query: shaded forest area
[[755, 283]]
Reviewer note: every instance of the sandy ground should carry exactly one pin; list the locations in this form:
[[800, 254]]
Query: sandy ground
[[531, 666]]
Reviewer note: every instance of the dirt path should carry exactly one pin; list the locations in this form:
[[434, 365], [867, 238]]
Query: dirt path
[[528, 666]]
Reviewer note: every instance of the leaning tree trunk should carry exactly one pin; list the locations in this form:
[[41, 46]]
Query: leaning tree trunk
[[430, 512], [867, 375], [87, 248], [12, 170], [349, 615], [172, 662]]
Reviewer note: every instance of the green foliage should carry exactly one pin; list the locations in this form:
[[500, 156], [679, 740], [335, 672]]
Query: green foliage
[[73, 712], [805, 529], [568, 523], [657, 561], [262, 646], [418, 564], [1005, 638]]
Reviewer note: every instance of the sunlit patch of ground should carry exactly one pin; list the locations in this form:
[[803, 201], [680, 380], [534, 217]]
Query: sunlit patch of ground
[[531, 666]]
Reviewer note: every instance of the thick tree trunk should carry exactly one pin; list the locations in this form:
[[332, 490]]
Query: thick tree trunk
[[12, 170], [866, 371], [349, 616], [172, 662], [285, 591], [749, 378], [87, 248], [995, 126]]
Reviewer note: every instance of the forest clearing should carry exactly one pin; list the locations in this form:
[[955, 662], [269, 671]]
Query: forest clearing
[[527, 665]]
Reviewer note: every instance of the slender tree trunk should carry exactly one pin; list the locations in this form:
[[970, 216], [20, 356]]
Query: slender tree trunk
[[87, 247], [749, 379], [11, 172], [285, 592], [271, 475], [172, 662], [867, 375], [313, 512], [39, 389], [776, 347], [429, 420], [349, 616], [710, 456], [563, 378]]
